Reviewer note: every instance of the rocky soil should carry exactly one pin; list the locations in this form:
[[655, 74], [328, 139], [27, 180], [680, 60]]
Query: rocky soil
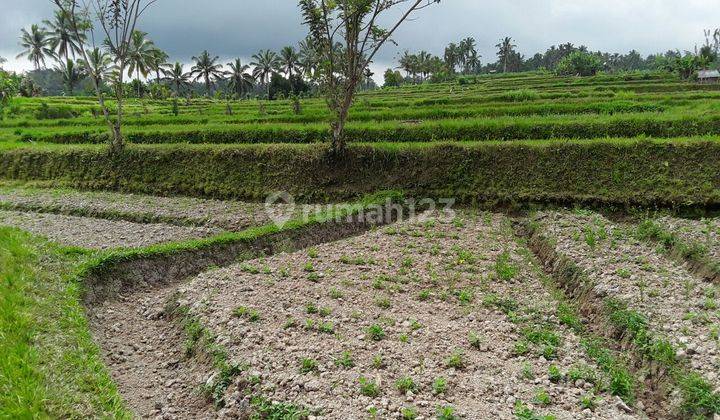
[[88, 232], [145, 354], [226, 215], [705, 232], [678, 305], [411, 318]]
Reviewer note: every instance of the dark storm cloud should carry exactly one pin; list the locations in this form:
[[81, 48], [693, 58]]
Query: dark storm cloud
[[232, 28]]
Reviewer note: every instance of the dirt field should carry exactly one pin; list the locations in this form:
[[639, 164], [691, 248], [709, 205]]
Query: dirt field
[[97, 233], [216, 214], [678, 305], [429, 318], [407, 319]]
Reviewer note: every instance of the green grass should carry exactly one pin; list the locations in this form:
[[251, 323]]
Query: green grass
[[526, 106], [49, 365]]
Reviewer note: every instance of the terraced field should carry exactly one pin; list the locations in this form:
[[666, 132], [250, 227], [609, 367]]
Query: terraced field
[[640, 139], [562, 314], [532, 106], [155, 283]]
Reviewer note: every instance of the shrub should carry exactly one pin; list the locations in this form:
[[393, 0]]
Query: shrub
[[47, 112], [579, 63]]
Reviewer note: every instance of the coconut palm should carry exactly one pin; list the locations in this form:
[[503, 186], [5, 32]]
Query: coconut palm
[[472, 62], [62, 37], [99, 65], [140, 56], [208, 69], [177, 77], [467, 50], [265, 65], [453, 56], [289, 61], [308, 57], [158, 62], [409, 63], [505, 50], [36, 46], [238, 77], [70, 73]]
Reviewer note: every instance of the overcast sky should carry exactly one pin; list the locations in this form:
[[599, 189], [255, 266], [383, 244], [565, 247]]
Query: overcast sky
[[231, 28]]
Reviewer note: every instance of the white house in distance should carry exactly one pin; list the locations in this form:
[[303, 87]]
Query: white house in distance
[[709, 76]]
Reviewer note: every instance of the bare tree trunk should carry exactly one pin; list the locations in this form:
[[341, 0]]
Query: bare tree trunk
[[117, 141], [342, 113], [338, 132]]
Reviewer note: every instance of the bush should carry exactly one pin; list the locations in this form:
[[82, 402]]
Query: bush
[[579, 63], [47, 112], [393, 78]]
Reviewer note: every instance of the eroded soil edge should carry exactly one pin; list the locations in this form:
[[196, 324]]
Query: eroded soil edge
[[145, 347]]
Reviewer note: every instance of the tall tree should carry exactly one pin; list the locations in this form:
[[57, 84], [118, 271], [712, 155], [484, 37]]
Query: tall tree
[[158, 62], [506, 48], [36, 46], [472, 63], [467, 50], [289, 61], [177, 77], [141, 57], [453, 57], [265, 65], [71, 75], [307, 56], [347, 36], [410, 64], [208, 69], [62, 39], [117, 20], [99, 65], [238, 77]]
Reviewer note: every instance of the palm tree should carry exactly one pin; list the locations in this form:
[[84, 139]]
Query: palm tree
[[238, 77], [70, 73], [307, 57], [289, 61], [409, 63], [368, 74], [177, 77], [207, 68], [467, 50], [140, 56], [473, 62], [62, 37], [453, 56], [99, 65], [506, 49], [36, 46], [158, 62], [266, 64]]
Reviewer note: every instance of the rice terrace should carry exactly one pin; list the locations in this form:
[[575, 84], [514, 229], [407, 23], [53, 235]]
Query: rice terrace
[[346, 229]]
